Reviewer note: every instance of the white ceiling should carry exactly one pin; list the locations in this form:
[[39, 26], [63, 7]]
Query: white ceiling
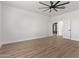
[[34, 6]]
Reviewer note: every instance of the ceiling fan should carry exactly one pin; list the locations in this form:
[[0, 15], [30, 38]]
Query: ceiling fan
[[53, 5]]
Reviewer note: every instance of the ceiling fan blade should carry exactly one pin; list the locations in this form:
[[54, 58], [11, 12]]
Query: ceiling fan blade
[[46, 9], [50, 10], [51, 3], [55, 9], [43, 4], [56, 3], [60, 7], [63, 4], [43, 7]]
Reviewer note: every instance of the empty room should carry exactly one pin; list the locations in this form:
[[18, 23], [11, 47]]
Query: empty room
[[39, 29]]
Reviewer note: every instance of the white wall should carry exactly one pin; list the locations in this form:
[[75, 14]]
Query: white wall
[[68, 19], [19, 25], [53, 20], [0, 24], [75, 25]]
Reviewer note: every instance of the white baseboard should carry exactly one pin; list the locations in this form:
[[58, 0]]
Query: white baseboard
[[75, 39], [25, 39], [72, 39]]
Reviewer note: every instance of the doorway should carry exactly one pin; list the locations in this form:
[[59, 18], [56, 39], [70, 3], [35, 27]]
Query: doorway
[[58, 28], [55, 28]]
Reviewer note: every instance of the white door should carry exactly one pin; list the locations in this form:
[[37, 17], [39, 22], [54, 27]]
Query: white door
[[67, 28], [0, 25], [60, 28]]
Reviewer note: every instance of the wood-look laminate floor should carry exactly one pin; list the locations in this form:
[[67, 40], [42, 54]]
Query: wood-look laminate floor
[[49, 47]]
